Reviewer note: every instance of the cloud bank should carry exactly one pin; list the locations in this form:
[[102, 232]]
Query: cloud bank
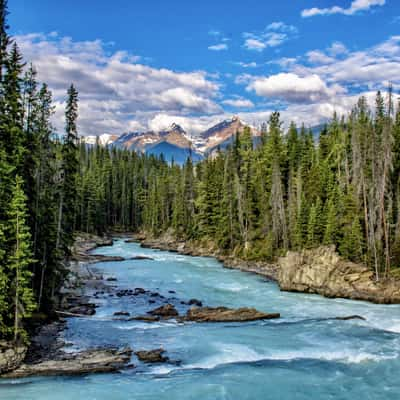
[[119, 92], [116, 92]]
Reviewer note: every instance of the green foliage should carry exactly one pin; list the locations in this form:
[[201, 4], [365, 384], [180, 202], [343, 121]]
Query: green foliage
[[288, 192], [19, 259]]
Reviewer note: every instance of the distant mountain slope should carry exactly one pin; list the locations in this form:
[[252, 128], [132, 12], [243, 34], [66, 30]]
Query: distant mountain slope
[[223, 132], [174, 143], [173, 152]]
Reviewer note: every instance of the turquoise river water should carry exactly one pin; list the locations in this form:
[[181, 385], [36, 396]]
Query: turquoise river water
[[303, 355]]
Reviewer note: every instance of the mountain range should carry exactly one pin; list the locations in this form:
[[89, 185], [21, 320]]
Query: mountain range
[[175, 143]]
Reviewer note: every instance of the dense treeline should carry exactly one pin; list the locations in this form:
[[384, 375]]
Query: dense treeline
[[290, 192], [37, 190]]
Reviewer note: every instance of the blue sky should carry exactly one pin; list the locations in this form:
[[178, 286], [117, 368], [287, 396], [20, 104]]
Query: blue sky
[[145, 64]]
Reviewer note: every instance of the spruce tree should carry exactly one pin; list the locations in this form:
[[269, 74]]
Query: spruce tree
[[68, 178], [20, 260], [4, 289]]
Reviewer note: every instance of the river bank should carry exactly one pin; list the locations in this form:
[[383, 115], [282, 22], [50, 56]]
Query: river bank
[[316, 271], [45, 354]]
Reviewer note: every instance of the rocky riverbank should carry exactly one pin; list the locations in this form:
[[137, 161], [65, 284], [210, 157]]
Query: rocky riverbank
[[206, 249], [45, 356], [320, 271]]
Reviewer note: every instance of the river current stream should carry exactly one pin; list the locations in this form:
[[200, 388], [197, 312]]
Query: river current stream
[[303, 355]]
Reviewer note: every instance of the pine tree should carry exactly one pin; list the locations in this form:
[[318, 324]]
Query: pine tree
[[4, 289], [331, 225], [68, 192], [12, 118], [314, 225], [20, 259]]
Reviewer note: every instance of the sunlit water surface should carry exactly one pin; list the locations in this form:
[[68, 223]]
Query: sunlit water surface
[[303, 355]]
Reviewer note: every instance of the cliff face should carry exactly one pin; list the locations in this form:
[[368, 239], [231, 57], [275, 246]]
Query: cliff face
[[324, 272]]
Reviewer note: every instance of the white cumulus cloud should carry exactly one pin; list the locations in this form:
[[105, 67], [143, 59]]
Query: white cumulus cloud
[[355, 6], [291, 87], [275, 34], [116, 91], [239, 103], [254, 44], [218, 47]]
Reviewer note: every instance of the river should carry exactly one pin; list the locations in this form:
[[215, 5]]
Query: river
[[302, 355]]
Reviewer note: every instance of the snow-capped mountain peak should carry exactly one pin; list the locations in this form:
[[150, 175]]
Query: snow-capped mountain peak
[[175, 141]]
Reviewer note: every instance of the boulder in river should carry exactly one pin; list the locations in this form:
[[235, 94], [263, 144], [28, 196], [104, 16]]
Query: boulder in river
[[166, 311], [83, 309], [152, 356], [122, 314], [90, 361], [139, 291], [195, 302], [141, 258], [224, 314]]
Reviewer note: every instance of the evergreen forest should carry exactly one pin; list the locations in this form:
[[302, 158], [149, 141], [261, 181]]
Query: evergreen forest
[[292, 191]]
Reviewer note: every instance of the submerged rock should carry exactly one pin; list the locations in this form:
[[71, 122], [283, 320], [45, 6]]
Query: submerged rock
[[152, 356], [144, 318], [90, 361], [166, 311], [84, 309], [141, 258], [346, 318], [224, 314]]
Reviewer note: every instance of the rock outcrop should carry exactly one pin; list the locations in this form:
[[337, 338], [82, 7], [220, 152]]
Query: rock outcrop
[[90, 361], [224, 314], [11, 356], [324, 272]]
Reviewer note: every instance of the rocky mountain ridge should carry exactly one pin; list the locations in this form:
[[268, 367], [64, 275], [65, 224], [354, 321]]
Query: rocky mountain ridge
[[175, 143]]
